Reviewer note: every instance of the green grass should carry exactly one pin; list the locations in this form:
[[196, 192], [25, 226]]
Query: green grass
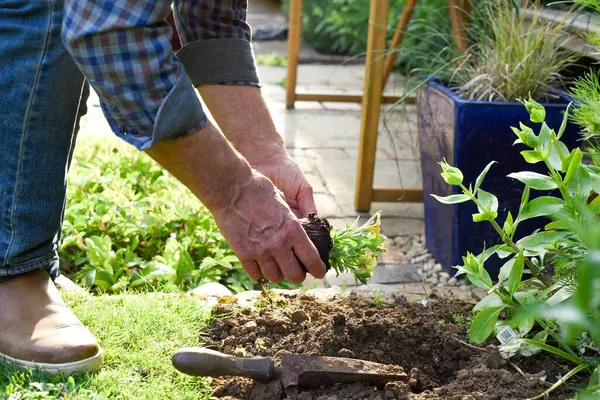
[[139, 334]]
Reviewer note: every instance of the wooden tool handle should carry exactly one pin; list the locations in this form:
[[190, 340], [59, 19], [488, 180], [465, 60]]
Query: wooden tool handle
[[205, 362]]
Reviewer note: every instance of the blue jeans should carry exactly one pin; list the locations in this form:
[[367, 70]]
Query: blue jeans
[[42, 97]]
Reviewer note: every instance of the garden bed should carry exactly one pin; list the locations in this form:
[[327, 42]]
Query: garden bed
[[428, 340]]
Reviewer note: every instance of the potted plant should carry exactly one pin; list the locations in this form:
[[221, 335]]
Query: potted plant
[[466, 115]]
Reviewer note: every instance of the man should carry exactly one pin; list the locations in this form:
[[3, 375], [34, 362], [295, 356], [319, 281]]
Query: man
[[245, 177]]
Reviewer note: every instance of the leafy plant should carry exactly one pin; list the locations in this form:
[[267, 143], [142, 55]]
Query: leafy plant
[[130, 225], [513, 56], [527, 276], [356, 248]]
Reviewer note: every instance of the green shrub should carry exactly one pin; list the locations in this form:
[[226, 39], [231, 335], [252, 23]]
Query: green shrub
[[130, 225], [341, 27]]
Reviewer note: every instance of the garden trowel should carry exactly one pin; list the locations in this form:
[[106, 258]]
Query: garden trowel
[[292, 370]]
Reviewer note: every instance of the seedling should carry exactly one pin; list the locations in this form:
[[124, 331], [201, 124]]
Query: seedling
[[353, 249]]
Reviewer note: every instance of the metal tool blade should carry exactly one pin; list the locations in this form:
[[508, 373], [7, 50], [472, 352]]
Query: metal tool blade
[[315, 371]]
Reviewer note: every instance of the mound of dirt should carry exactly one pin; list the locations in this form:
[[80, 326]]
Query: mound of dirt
[[421, 339]]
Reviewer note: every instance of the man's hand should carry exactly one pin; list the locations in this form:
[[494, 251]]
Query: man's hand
[[243, 116], [251, 213], [265, 235], [287, 177]]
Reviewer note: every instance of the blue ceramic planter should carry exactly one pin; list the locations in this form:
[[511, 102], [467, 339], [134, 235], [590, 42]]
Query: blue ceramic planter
[[470, 134]]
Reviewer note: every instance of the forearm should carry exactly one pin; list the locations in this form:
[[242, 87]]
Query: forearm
[[243, 116], [207, 164]]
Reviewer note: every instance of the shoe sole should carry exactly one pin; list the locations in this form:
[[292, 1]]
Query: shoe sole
[[80, 367]]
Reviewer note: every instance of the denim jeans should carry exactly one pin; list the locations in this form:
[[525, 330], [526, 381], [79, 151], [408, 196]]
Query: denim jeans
[[42, 97]]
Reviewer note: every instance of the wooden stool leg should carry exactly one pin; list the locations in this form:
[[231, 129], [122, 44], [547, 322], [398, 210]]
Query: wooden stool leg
[[460, 11], [407, 13], [294, 27], [376, 48]]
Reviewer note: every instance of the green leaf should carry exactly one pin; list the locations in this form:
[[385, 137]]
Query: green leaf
[[104, 280], [505, 251], [574, 162], [526, 324], [491, 300], [516, 273], [525, 135], [508, 225], [552, 350], [541, 206], [452, 175], [537, 243], [185, 266], [532, 156], [99, 250], [524, 198], [534, 180], [483, 324], [580, 183], [561, 295], [536, 111], [482, 175], [558, 154], [488, 206], [485, 216], [565, 120], [452, 199], [504, 272]]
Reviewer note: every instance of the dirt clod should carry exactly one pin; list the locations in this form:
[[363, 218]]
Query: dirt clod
[[267, 391], [439, 364], [318, 230]]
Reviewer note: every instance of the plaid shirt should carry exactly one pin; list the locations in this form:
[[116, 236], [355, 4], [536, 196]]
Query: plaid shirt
[[123, 47]]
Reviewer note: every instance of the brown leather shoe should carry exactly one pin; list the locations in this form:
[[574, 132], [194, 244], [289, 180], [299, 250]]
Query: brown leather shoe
[[37, 330]]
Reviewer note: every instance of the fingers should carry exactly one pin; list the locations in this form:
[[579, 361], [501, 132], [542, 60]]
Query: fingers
[[289, 266], [270, 269], [252, 269], [307, 253], [306, 201]]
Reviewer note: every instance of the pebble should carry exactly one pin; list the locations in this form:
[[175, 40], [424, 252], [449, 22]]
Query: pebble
[[437, 268], [420, 259], [452, 281], [465, 287], [433, 280], [250, 326]]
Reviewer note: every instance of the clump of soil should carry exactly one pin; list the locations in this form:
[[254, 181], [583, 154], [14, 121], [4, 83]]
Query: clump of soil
[[318, 230], [421, 339]]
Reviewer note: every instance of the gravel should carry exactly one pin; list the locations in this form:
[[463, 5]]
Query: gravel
[[411, 249]]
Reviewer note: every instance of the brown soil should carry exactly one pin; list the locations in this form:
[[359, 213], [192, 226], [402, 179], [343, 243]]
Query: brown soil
[[435, 355], [318, 230]]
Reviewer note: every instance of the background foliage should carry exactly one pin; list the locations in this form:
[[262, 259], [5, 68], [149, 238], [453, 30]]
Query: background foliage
[[341, 26], [131, 225]]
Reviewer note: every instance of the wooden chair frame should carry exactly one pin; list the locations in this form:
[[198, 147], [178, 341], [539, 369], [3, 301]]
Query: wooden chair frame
[[378, 68]]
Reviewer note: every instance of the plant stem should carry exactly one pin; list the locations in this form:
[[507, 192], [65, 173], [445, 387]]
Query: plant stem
[[507, 240]]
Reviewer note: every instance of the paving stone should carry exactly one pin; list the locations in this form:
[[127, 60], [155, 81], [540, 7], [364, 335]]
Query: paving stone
[[327, 205], [344, 279], [395, 273], [317, 183]]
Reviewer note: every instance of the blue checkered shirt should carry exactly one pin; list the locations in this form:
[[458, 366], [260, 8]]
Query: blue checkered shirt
[[123, 47]]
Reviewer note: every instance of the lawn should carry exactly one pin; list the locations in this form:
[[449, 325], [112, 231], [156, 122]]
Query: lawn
[[139, 334]]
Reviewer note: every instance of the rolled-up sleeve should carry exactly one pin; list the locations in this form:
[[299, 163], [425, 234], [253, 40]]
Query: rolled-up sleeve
[[123, 48], [216, 42]]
